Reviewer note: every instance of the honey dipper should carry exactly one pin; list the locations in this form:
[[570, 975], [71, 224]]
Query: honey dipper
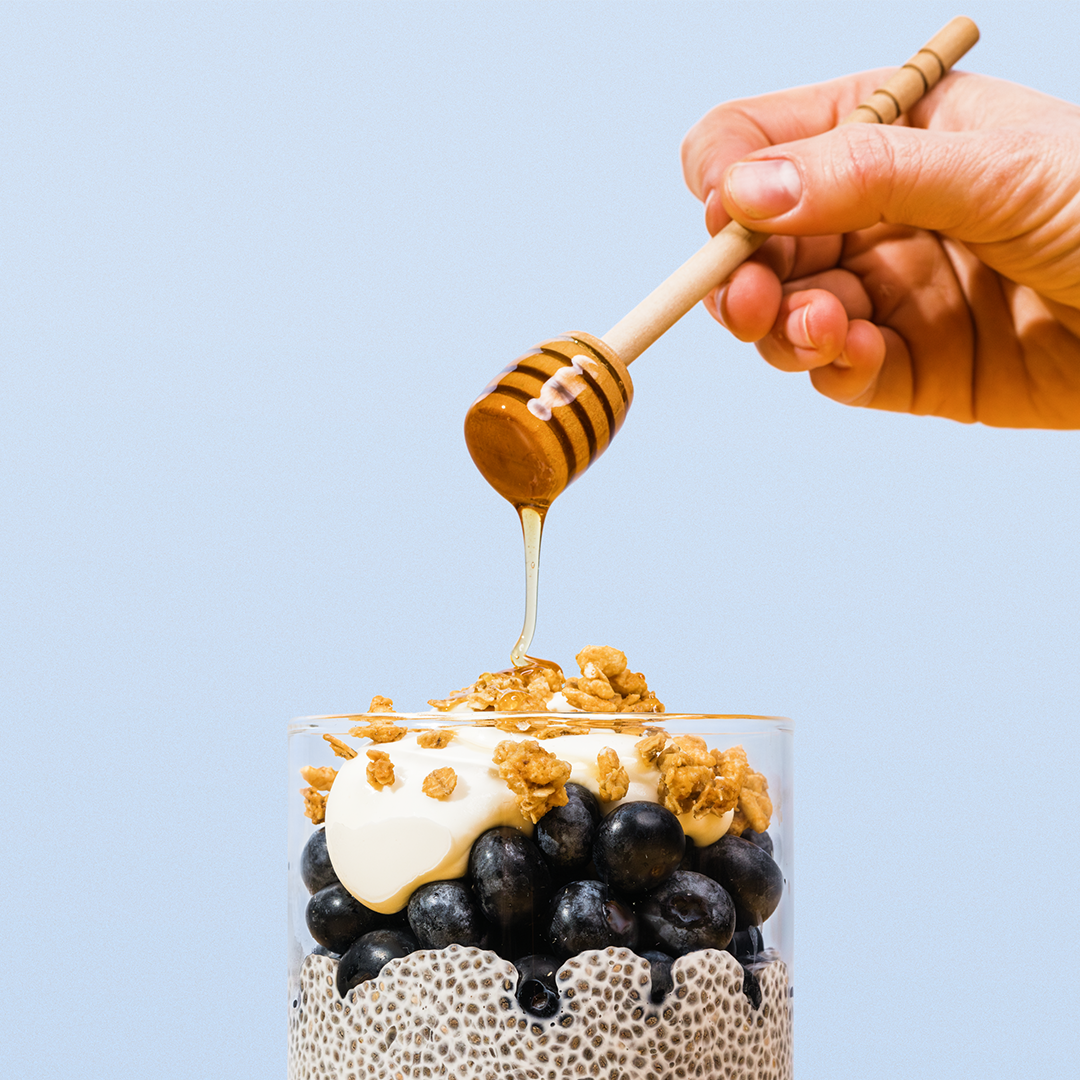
[[551, 413]]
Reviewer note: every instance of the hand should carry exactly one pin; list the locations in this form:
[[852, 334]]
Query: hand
[[932, 268]]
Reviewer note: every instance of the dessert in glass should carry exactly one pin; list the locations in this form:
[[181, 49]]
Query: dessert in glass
[[543, 878]]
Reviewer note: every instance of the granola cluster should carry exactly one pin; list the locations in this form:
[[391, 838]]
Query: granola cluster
[[699, 781], [527, 690], [380, 771], [434, 739], [314, 805], [439, 783], [341, 749], [605, 685], [614, 780], [535, 776], [379, 730], [755, 807]]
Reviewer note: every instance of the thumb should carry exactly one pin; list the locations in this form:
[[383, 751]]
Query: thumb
[[975, 186]]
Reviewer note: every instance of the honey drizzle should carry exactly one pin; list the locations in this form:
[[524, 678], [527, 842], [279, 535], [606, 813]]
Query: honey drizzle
[[532, 528]]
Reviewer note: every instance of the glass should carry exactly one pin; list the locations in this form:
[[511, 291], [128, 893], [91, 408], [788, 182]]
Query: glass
[[458, 1012]]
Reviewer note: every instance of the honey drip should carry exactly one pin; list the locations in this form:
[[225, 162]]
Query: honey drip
[[532, 528]]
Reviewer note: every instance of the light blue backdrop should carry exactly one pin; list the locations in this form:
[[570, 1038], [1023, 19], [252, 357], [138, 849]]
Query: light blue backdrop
[[257, 259]]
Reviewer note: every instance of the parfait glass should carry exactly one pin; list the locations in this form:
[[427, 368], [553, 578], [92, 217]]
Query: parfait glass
[[459, 1011]]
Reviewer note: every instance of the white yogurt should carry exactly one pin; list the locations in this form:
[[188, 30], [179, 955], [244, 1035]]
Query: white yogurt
[[385, 843]]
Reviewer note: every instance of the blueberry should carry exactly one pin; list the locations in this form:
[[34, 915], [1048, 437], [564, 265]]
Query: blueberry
[[398, 921], [322, 950], [315, 869], [748, 873], [688, 912], [746, 944], [366, 957], [660, 969], [762, 839], [336, 919], [565, 833], [524, 939], [745, 919], [638, 846], [751, 987], [537, 991], [509, 877], [689, 859], [445, 913], [587, 915]]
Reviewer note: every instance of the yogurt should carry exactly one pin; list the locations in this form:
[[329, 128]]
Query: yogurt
[[385, 843]]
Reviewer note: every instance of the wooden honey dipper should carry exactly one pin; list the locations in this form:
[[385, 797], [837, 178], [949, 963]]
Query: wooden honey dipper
[[549, 415]]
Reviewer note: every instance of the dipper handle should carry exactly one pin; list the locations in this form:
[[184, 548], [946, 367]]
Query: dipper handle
[[734, 244]]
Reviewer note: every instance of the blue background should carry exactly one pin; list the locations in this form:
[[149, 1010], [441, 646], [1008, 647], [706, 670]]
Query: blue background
[[257, 260]]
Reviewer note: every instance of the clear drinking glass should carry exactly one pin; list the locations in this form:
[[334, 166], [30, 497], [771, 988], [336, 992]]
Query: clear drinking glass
[[455, 1012]]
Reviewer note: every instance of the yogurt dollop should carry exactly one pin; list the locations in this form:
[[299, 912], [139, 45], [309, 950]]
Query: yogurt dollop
[[386, 843]]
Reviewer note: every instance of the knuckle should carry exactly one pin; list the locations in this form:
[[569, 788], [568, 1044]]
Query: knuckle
[[865, 158]]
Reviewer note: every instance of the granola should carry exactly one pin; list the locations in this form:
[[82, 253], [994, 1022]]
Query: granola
[[340, 748], [440, 784], [379, 730], [314, 805], [614, 781], [435, 739], [604, 658], [692, 778], [652, 746], [535, 776], [755, 806], [320, 779], [605, 685], [527, 690], [380, 771]]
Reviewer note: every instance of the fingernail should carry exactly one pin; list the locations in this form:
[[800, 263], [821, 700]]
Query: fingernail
[[797, 329], [764, 189], [710, 198], [718, 305]]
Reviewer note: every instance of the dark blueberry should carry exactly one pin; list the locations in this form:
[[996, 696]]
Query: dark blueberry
[[336, 919], [745, 919], [315, 869], [366, 957], [689, 859], [751, 988], [398, 921], [322, 950], [509, 877], [748, 873], [654, 956], [762, 839], [637, 846], [445, 913], [537, 991], [587, 915], [660, 969], [688, 912], [525, 939], [564, 834], [746, 944]]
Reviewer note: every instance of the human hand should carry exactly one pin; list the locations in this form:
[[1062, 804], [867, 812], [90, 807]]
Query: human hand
[[932, 268]]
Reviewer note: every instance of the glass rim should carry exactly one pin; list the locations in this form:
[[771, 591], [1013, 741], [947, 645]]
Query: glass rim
[[302, 724]]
